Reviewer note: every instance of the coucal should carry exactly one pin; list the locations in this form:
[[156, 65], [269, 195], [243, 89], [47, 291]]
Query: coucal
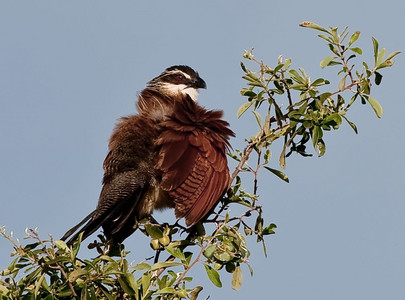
[[169, 155]]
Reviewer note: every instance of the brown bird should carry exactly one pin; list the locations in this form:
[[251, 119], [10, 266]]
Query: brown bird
[[169, 155]]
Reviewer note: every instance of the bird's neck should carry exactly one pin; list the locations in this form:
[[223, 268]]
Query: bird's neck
[[157, 104]]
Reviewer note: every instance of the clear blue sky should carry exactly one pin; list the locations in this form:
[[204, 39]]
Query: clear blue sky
[[69, 69]]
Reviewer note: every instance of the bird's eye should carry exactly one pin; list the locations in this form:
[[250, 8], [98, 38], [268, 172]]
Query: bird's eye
[[179, 77]]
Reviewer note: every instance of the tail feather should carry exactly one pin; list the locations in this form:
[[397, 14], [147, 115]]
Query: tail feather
[[90, 227]]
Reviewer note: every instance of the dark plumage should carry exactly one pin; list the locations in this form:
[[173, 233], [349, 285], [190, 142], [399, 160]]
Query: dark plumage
[[171, 154]]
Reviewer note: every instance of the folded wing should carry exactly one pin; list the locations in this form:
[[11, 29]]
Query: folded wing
[[192, 160]]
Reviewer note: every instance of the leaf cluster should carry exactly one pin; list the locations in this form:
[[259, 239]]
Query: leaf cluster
[[55, 271], [301, 110]]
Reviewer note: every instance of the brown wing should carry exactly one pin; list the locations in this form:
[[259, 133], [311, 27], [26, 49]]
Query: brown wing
[[195, 172], [192, 159], [127, 178]]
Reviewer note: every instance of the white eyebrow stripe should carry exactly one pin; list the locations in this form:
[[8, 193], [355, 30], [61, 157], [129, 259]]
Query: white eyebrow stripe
[[177, 72]]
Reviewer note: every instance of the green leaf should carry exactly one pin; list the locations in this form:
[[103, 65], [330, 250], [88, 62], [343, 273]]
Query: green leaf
[[252, 78], [109, 296], [194, 293], [188, 256], [324, 96], [392, 55], [357, 50], [106, 258], [264, 247], [34, 245], [165, 264], [223, 256], [334, 34], [342, 83], [248, 93], [354, 97], [344, 33], [296, 77], [352, 125], [278, 68], [376, 106], [65, 292], [340, 102], [380, 57], [145, 280], [142, 266], [76, 246], [333, 120], [350, 57], [269, 229], [278, 173], [259, 223], [385, 64], [354, 38], [258, 118], [320, 81], [316, 135], [244, 107], [298, 87], [325, 62], [3, 290], [365, 66], [287, 63], [153, 231], [38, 284], [76, 274], [209, 251], [176, 252], [320, 147], [213, 275], [282, 157], [85, 293], [303, 72], [328, 39], [378, 78], [375, 47], [125, 286], [267, 156], [130, 279], [333, 49], [166, 290], [242, 65], [237, 278], [267, 125], [313, 25]]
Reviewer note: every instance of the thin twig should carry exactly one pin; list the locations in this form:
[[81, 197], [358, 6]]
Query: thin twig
[[67, 279], [283, 80], [246, 153]]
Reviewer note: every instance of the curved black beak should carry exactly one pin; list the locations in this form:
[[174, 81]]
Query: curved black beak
[[199, 83]]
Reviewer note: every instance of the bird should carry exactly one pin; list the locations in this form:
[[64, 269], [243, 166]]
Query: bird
[[170, 154]]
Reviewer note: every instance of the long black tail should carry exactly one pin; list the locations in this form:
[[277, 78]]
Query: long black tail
[[91, 226]]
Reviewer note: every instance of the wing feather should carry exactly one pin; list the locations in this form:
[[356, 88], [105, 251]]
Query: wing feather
[[173, 154], [180, 169], [198, 178], [192, 159]]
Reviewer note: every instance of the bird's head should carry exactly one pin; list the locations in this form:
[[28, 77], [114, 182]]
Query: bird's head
[[178, 80]]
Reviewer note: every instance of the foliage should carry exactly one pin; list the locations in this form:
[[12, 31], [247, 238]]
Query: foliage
[[48, 269]]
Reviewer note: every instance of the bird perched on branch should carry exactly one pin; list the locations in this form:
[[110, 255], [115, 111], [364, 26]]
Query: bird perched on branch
[[169, 155]]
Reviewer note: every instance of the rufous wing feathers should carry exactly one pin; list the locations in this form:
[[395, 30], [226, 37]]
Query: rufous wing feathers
[[193, 162]]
